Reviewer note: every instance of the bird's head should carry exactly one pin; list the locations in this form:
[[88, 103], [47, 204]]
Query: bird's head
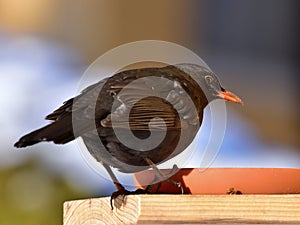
[[209, 83], [215, 90]]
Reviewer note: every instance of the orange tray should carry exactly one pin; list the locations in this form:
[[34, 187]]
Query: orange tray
[[220, 180]]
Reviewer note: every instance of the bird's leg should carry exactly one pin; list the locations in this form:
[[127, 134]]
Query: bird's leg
[[113, 177], [162, 176], [156, 179], [120, 188]]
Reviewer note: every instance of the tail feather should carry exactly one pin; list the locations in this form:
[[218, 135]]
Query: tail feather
[[57, 132]]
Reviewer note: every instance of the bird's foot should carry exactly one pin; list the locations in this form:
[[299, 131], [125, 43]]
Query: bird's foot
[[176, 183], [164, 177], [123, 192], [173, 182]]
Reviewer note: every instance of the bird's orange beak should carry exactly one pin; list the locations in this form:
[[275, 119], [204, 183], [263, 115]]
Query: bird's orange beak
[[229, 96]]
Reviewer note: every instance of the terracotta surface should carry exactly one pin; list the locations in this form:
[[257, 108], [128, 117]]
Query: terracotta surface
[[220, 180]]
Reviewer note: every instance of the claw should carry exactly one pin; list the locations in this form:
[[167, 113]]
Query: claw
[[122, 191], [176, 183], [162, 176], [116, 194]]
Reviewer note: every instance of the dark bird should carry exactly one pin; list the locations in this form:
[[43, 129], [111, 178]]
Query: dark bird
[[136, 118]]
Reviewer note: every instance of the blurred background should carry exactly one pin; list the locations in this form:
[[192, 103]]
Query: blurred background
[[45, 46]]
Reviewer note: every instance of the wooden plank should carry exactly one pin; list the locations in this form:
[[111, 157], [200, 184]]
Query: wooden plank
[[186, 209]]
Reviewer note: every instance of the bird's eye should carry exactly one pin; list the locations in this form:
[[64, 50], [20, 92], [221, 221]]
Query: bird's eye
[[208, 79]]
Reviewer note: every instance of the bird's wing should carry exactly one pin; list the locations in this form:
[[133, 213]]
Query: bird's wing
[[141, 98], [150, 111], [83, 103], [148, 102]]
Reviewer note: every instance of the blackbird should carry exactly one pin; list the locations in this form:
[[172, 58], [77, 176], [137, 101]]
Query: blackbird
[[136, 118]]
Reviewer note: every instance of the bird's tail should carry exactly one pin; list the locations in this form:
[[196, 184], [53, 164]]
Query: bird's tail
[[59, 132]]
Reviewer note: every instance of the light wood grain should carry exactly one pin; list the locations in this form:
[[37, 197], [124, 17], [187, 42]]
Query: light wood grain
[[186, 209]]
